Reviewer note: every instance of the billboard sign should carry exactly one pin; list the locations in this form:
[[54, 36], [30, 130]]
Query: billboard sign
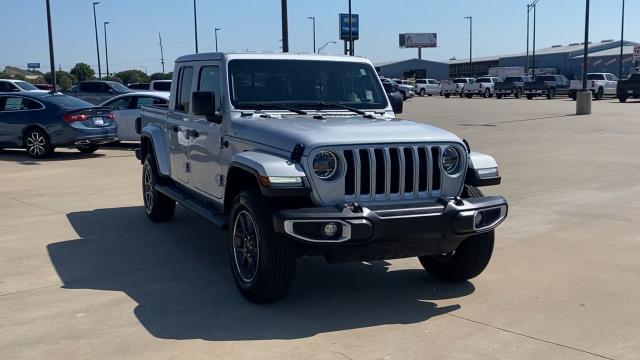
[[33, 65], [344, 26], [419, 40]]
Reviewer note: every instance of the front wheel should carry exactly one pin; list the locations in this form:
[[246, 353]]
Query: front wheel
[[468, 260], [262, 262], [87, 149], [158, 207], [518, 93], [447, 96], [38, 144], [422, 92], [622, 98], [529, 96], [551, 94], [599, 94], [469, 96]]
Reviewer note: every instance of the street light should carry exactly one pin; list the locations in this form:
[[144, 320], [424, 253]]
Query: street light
[[285, 26], [215, 31], [583, 99], [195, 23], [325, 45], [106, 48], [51, 58], [95, 24], [313, 18], [470, 18], [621, 43], [529, 8], [351, 52]]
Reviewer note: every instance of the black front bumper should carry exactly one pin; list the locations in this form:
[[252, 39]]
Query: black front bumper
[[391, 231]]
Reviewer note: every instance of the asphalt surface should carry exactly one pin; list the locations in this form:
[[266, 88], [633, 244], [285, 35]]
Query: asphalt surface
[[84, 274]]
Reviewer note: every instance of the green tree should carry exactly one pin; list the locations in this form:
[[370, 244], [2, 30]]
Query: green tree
[[64, 79], [160, 76], [83, 72], [132, 76]]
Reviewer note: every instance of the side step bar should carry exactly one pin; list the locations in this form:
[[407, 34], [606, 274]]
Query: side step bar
[[193, 204]]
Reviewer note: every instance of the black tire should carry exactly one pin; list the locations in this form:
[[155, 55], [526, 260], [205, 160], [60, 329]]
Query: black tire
[[622, 98], [469, 96], [88, 149], [498, 96], [447, 95], [551, 94], [422, 93], [470, 258], [529, 96], [599, 94], [429, 94], [262, 262], [158, 207], [37, 143], [487, 93], [518, 93]]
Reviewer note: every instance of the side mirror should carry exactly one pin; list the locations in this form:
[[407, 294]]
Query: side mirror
[[204, 104], [397, 103]]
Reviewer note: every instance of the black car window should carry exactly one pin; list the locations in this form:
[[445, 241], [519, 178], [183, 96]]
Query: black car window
[[121, 103], [183, 100], [162, 86], [29, 104], [6, 86], [210, 81], [90, 87], [147, 101], [115, 86]]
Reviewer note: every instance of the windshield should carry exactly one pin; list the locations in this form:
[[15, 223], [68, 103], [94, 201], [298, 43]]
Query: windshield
[[162, 86], [546, 78], [299, 82], [595, 76], [25, 85], [513, 79], [119, 87], [484, 80], [460, 81]]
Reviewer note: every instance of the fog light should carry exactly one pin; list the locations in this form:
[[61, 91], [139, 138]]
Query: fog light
[[330, 229], [477, 219]]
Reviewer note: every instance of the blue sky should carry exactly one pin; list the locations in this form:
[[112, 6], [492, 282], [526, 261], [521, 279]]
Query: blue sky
[[499, 27]]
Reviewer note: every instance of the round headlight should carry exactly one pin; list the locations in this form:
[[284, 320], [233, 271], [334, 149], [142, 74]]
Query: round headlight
[[325, 164], [451, 160]]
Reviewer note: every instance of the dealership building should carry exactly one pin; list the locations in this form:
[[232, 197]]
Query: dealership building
[[604, 56]]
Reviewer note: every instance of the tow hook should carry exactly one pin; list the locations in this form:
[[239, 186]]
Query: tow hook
[[456, 200], [354, 207]]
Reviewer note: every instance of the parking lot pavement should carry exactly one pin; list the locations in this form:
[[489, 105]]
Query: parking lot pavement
[[84, 275]]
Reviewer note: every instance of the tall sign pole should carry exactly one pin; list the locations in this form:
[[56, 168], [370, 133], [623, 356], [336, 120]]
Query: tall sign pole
[[52, 60], [106, 48], [285, 27]]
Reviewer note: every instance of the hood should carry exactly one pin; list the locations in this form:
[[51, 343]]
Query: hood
[[284, 133]]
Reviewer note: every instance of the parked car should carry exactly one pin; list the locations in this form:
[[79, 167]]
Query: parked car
[[138, 86], [40, 122], [160, 85], [392, 85], [512, 85], [483, 86], [126, 110], [629, 88], [427, 87], [600, 84], [405, 88], [547, 85], [456, 87], [315, 167], [97, 91], [12, 85]]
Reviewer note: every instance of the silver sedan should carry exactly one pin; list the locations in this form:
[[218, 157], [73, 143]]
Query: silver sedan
[[126, 109]]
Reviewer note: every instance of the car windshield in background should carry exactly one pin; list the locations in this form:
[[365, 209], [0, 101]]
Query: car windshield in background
[[162, 86], [513, 79], [595, 77], [25, 85], [484, 80], [258, 82], [459, 81], [119, 87], [67, 102], [546, 78]]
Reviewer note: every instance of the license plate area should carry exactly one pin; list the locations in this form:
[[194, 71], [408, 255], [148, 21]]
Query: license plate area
[[98, 121]]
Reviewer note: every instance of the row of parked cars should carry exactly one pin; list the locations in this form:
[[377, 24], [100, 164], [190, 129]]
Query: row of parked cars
[[88, 115], [550, 86]]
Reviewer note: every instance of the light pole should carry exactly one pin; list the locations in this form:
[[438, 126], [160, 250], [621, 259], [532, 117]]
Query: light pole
[[285, 27], [106, 48], [161, 52], [583, 99], [621, 42], [351, 52], [325, 45], [51, 57], [470, 44], [529, 7], [195, 23], [215, 31], [313, 18], [95, 24]]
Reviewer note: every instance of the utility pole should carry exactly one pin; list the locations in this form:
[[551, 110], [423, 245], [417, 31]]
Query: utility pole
[[106, 48], [470, 44], [51, 57], [216, 36], [621, 43], [313, 18], [584, 97], [195, 23], [535, 6], [161, 52], [95, 24], [351, 52], [285, 27], [526, 67]]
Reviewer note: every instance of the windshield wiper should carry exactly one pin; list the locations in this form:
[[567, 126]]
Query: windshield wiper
[[264, 106], [326, 105]]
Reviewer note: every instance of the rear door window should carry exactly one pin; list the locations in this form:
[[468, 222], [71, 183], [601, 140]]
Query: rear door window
[[122, 103], [148, 101], [16, 103], [6, 86], [183, 100]]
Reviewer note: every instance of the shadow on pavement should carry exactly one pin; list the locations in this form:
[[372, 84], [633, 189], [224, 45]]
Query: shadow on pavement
[[178, 275], [22, 157]]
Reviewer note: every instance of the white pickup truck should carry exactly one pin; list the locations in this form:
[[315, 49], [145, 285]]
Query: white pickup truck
[[600, 84], [456, 87], [483, 86]]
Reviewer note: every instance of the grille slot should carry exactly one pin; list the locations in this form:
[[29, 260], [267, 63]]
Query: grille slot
[[392, 172]]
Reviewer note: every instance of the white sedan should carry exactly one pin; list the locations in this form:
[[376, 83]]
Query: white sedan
[[126, 109]]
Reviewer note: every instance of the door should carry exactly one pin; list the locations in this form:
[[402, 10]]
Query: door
[[123, 108], [612, 84], [15, 113], [178, 126], [205, 149]]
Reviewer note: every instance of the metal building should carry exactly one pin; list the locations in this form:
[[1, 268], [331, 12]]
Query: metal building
[[413, 68]]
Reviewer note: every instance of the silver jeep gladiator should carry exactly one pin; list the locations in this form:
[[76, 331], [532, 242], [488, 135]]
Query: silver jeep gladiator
[[300, 155]]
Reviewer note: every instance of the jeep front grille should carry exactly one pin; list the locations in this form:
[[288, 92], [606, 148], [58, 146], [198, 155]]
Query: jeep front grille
[[392, 172]]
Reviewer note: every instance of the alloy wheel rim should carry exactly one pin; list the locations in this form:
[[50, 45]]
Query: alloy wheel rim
[[148, 189], [245, 246], [36, 143]]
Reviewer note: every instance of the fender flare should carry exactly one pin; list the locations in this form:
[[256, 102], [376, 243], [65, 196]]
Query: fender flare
[[263, 164], [155, 135]]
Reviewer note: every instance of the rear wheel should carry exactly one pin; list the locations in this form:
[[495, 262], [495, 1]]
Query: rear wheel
[[37, 143], [158, 207], [599, 94], [498, 96], [622, 98], [87, 149], [447, 95], [423, 92], [429, 94], [469, 96], [551, 94], [529, 96], [518, 93], [262, 262], [468, 260]]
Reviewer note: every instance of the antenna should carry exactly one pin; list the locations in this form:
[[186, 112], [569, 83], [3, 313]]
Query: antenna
[[161, 52]]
